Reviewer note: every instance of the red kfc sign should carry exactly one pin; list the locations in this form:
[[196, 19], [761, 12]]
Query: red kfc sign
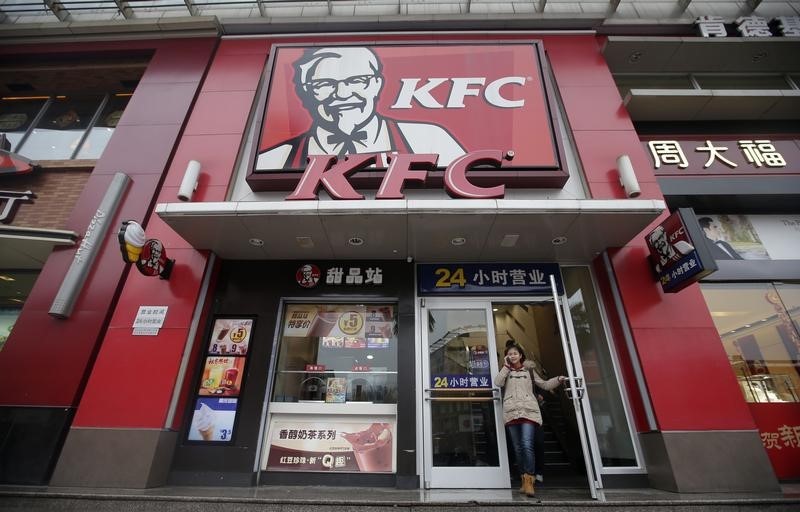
[[439, 103]]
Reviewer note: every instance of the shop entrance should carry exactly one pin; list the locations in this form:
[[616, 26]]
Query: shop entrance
[[463, 341]]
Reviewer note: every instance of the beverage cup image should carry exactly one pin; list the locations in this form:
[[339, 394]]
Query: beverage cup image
[[372, 448], [324, 323]]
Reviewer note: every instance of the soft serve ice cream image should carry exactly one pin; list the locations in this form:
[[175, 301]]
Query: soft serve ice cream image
[[204, 422], [131, 240]]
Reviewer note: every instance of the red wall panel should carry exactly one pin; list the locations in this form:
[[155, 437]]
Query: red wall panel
[[47, 361]]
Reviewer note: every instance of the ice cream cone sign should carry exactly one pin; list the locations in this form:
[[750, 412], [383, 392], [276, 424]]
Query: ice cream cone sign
[[150, 256]]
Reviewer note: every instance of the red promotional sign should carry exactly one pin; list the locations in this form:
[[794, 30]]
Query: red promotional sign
[[779, 428], [677, 258], [446, 100]]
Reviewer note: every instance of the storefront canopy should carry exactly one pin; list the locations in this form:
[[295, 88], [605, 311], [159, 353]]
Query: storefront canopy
[[28, 248], [425, 230]]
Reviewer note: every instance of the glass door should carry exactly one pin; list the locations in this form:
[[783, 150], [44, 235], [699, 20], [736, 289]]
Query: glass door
[[576, 392], [464, 437]]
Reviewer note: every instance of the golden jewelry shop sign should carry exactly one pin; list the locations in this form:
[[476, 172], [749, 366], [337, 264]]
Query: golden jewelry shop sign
[[335, 445]]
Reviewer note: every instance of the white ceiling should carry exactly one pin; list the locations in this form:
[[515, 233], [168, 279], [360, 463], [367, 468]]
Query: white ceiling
[[419, 229]]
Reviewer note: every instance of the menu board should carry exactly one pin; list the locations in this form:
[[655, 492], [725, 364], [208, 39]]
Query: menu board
[[221, 380]]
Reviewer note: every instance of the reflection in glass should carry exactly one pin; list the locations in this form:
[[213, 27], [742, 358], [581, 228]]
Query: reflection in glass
[[58, 133], [462, 407], [602, 386], [16, 116], [101, 132], [758, 325], [337, 353]]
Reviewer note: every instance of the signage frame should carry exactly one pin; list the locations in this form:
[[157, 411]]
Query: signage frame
[[554, 176]]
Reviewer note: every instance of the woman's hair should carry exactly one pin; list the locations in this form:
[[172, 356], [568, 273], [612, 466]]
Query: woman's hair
[[513, 344]]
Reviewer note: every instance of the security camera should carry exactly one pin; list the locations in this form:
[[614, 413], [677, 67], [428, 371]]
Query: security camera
[[189, 182], [627, 177]]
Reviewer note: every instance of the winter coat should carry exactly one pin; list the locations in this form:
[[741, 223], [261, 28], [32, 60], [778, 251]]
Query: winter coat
[[519, 399]]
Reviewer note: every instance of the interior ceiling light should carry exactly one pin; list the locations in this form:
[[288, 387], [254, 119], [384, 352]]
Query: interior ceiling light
[[459, 240], [559, 240], [509, 241], [6, 278], [356, 241], [256, 242], [306, 242]]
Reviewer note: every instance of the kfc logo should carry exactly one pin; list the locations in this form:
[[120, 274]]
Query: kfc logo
[[384, 100], [307, 276]]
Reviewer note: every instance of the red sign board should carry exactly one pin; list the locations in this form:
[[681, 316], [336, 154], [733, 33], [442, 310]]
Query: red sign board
[[446, 100], [678, 251]]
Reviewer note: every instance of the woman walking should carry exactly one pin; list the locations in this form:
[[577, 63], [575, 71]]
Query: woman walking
[[521, 413]]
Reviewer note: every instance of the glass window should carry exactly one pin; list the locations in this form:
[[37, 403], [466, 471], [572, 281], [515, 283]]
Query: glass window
[[14, 289], [602, 385], [337, 353], [59, 132], [102, 131], [16, 116], [758, 325]]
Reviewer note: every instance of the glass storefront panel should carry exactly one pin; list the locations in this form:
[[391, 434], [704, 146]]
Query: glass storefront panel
[[337, 353], [757, 323], [602, 385], [16, 116], [57, 135], [102, 131]]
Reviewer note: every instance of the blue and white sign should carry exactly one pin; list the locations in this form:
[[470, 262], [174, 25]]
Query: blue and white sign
[[488, 279], [460, 381]]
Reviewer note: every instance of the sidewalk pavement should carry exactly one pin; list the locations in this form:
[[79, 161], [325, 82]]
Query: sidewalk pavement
[[347, 499]]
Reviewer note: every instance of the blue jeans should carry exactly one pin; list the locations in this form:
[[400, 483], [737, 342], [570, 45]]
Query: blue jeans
[[522, 439]]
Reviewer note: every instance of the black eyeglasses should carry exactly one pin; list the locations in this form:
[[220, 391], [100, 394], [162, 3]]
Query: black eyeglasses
[[324, 87]]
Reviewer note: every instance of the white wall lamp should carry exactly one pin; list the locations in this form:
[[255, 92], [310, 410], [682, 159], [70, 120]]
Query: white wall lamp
[[189, 182], [627, 178]]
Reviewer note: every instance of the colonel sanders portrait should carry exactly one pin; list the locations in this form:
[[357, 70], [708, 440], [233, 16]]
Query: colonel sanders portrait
[[340, 87]]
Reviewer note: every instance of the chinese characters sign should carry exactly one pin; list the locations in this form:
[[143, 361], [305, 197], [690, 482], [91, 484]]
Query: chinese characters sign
[[500, 278], [309, 275], [755, 155], [149, 319], [678, 252], [332, 445], [748, 26], [779, 429], [461, 381]]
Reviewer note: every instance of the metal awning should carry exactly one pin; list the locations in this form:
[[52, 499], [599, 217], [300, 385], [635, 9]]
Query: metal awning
[[426, 230], [24, 248]]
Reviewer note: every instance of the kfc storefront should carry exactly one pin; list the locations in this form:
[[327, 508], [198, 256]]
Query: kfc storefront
[[400, 210], [367, 220]]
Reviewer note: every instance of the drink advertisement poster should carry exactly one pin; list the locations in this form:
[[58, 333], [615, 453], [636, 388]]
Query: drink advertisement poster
[[343, 446], [230, 336], [303, 320], [213, 420], [222, 376]]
